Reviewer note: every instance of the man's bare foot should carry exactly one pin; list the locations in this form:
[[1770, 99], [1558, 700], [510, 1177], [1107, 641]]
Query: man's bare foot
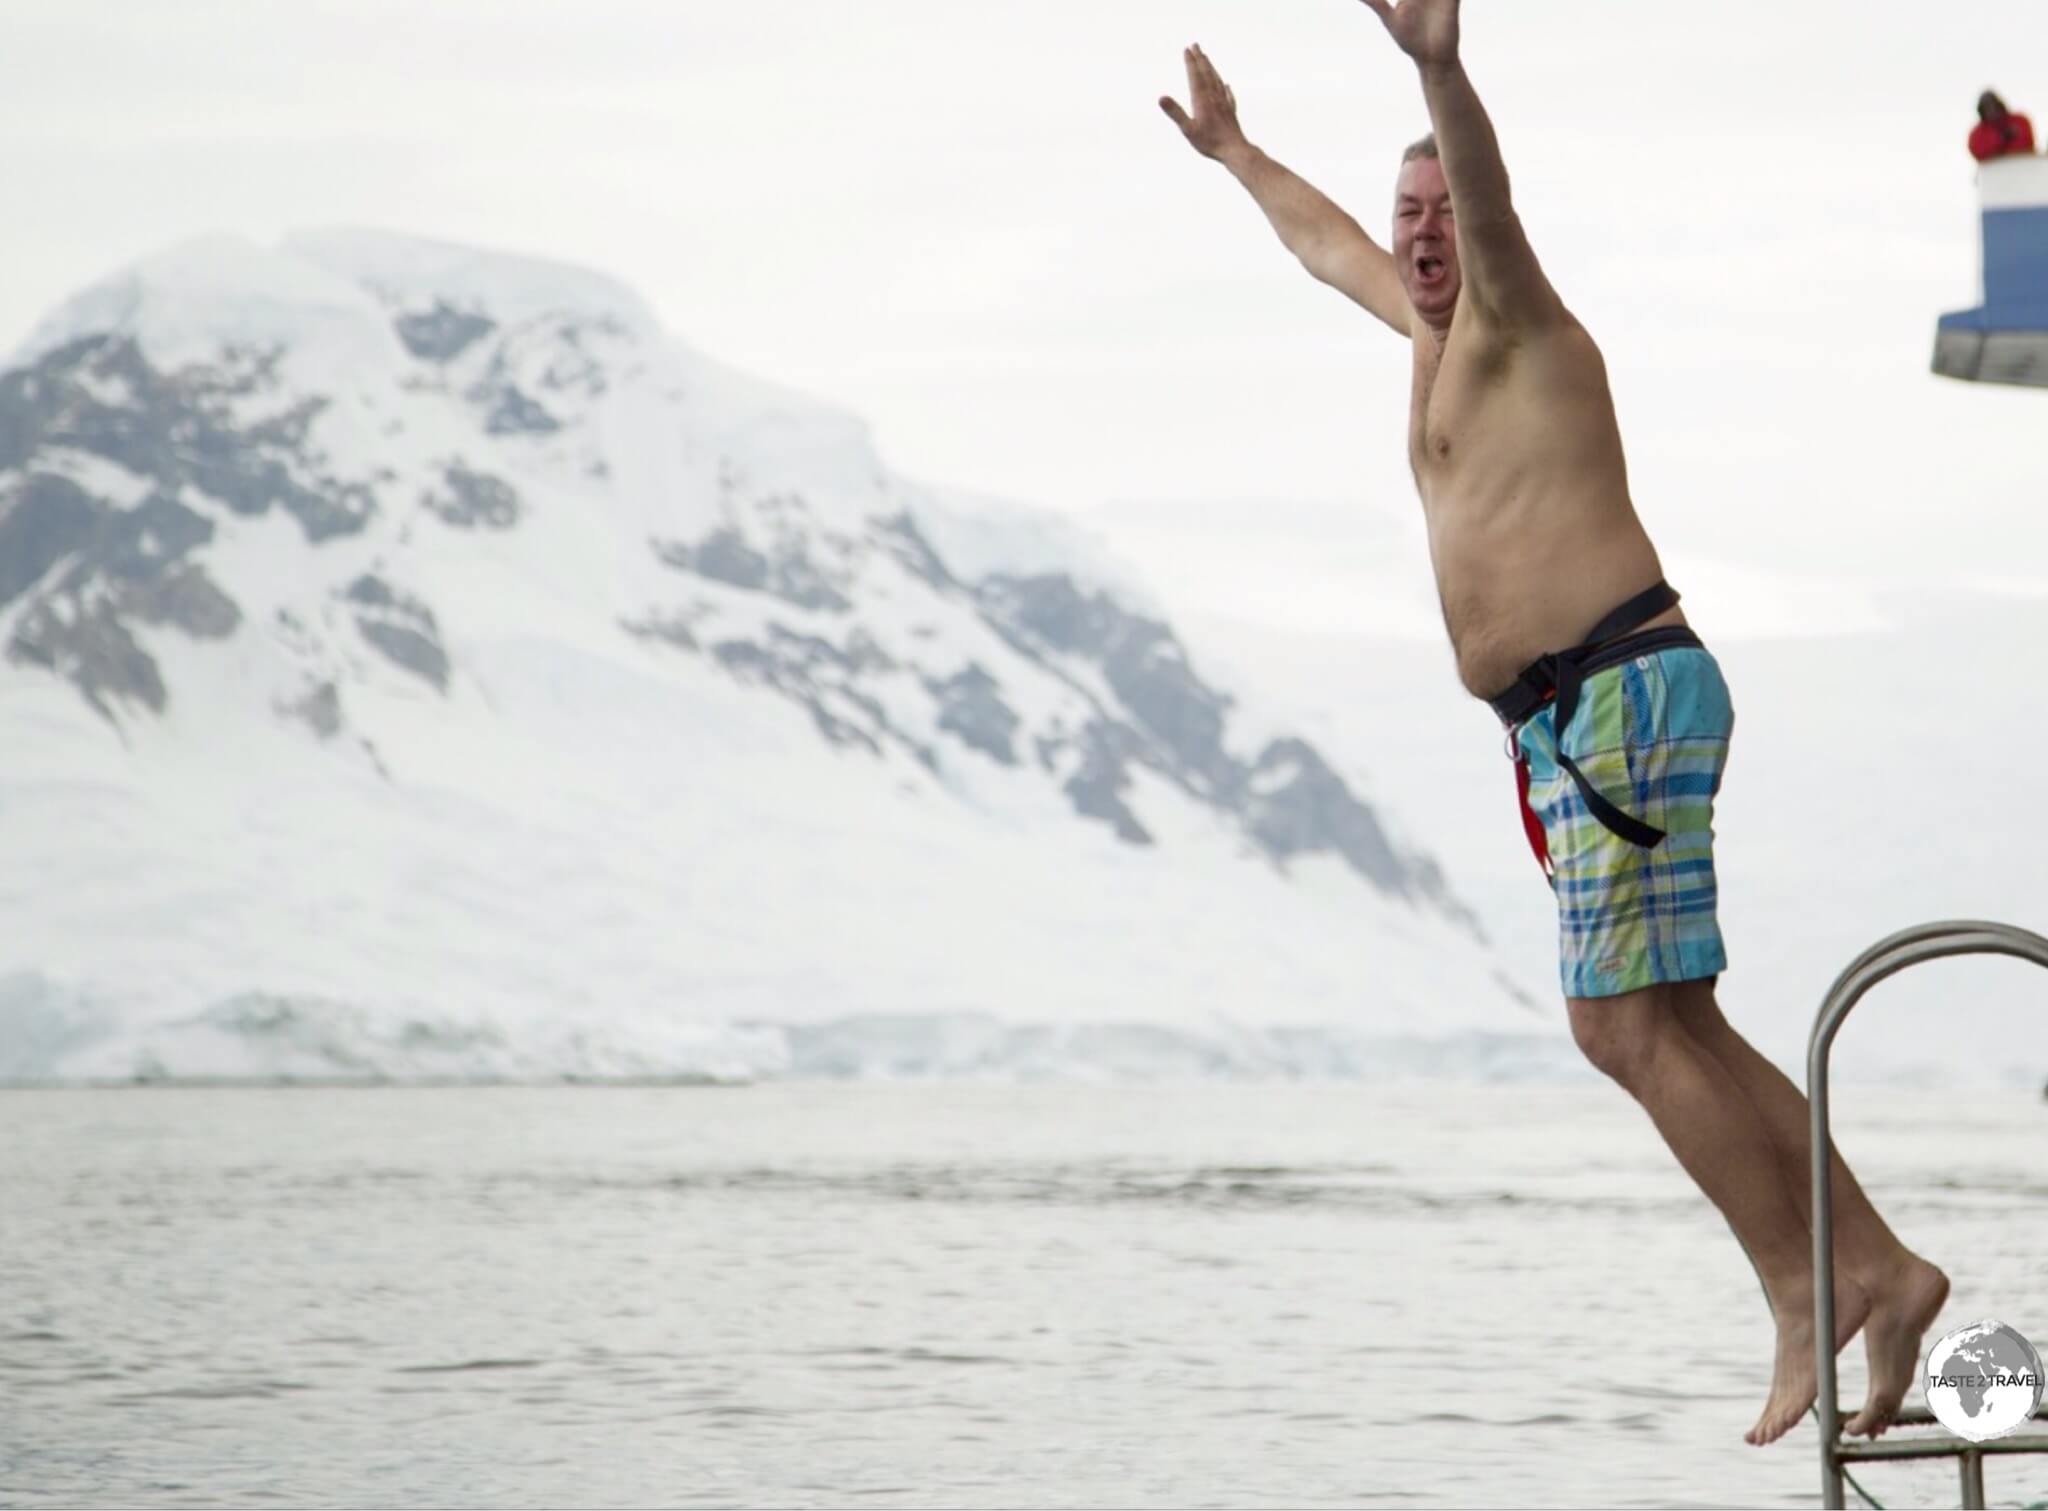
[[1793, 1381], [1901, 1311]]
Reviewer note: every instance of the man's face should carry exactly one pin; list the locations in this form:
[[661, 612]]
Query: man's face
[[1425, 239]]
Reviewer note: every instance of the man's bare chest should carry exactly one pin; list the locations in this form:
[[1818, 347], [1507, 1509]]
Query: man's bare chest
[[1445, 407]]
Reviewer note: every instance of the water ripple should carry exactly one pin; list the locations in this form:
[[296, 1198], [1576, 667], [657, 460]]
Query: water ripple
[[829, 1295]]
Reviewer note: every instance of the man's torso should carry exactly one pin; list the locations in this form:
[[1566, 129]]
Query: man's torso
[[1518, 459]]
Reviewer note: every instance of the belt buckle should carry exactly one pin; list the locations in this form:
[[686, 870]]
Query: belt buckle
[[1514, 747]]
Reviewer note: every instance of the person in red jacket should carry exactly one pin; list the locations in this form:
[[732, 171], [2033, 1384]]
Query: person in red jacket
[[1999, 132]]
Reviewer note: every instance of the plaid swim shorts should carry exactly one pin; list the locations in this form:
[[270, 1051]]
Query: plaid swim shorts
[[1650, 735]]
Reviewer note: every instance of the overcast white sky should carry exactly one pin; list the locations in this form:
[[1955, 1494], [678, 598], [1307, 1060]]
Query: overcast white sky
[[971, 224]]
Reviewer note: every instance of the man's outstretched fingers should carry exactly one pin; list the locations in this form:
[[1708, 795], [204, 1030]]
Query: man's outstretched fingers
[[1174, 113], [1220, 96], [1382, 9]]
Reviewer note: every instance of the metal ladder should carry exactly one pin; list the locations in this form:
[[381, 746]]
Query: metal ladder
[[1929, 941]]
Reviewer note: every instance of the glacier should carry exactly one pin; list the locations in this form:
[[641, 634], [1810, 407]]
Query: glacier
[[421, 666]]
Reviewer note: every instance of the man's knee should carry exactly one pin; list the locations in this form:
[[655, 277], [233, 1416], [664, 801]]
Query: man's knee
[[1621, 1035], [1693, 1005]]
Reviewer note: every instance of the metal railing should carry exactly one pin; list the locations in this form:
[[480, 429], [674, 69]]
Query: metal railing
[[1929, 941]]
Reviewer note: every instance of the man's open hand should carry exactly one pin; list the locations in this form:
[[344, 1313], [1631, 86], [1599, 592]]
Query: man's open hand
[[1212, 129], [1426, 29]]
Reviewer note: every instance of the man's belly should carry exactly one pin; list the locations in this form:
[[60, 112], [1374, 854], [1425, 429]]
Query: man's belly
[[1512, 598]]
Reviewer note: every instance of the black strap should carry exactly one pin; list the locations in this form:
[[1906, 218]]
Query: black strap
[[1563, 674], [1642, 608], [1569, 678], [1634, 830], [1537, 682]]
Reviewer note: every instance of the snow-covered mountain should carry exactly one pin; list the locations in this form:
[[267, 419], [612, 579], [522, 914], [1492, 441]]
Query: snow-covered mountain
[[418, 664]]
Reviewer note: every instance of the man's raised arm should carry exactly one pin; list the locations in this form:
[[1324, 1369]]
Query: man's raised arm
[[1500, 270], [1329, 243]]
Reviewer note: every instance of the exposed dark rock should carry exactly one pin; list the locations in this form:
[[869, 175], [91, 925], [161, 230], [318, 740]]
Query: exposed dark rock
[[1097, 788], [122, 562], [866, 653], [516, 414], [798, 581], [790, 574], [971, 706], [1144, 664], [900, 536], [404, 646], [99, 395], [94, 575], [878, 719], [1180, 719], [1147, 669], [474, 499], [372, 591], [724, 556], [401, 627], [91, 649], [1290, 801], [746, 659], [809, 651], [571, 367], [145, 542], [756, 663], [675, 631], [320, 708], [43, 521], [1299, 806], [442, 333], [859, 655], [1056, 614], [823, 678], [288, 428], [45, 404], [1158, 715], [185, 598]]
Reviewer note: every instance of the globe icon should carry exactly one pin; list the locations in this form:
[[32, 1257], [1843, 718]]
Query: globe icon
[[1983, 1380]]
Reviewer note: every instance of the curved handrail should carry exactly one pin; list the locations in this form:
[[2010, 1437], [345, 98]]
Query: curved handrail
[[1889, 956]]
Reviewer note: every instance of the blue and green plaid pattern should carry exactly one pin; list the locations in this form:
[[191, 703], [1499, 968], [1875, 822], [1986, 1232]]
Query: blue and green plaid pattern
[[1652, 736]]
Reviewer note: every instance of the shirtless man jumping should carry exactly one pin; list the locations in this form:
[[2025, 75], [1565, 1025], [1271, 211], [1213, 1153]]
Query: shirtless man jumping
[[1618, 717]]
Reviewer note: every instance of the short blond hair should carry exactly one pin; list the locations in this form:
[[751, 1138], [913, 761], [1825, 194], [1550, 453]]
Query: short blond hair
[[1424, 148]]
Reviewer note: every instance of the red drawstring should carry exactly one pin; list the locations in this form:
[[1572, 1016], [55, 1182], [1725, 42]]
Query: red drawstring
[[1531, 824]]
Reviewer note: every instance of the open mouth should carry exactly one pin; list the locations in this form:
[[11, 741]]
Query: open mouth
[[1429, 269]]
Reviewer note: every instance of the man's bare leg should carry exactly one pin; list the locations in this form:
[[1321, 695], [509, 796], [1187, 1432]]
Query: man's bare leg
[[1906, 1292], [1714, 1129]]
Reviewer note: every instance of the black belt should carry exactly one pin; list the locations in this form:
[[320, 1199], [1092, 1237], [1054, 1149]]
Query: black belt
[[1558, 676]]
